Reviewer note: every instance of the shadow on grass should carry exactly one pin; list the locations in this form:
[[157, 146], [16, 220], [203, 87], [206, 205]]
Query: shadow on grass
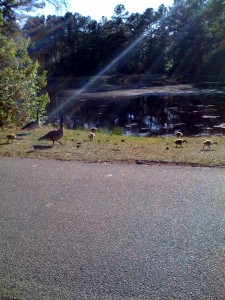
[[207, 150], [1, 144], [39, 147], [23, 134], [42, 147]]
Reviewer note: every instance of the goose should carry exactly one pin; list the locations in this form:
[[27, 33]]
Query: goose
[[12, 137], [32, 125], [179, 134], [91, 135], [55, 135], [94, 129], [179, 142], [208, 143]]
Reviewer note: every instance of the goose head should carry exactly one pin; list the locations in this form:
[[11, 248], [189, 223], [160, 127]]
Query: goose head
[[62, 119]]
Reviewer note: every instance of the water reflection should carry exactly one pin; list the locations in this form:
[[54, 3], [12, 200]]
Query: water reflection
[[152, 115]]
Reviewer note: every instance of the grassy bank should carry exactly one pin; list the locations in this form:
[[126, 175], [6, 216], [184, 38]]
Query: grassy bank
[[114, 148]]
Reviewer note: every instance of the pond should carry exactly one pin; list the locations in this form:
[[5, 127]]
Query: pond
[[148, 111]]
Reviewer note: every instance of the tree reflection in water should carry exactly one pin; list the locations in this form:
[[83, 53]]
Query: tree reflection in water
[[153, 115]]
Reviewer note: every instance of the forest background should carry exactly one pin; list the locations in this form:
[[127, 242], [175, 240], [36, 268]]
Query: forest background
[[184, 42]]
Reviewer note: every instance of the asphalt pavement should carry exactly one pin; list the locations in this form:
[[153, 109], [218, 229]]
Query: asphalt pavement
[[73, 230]]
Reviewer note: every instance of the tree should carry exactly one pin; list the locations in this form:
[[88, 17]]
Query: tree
[[21, 81], [186, 39], [187, 36], [215, 38]]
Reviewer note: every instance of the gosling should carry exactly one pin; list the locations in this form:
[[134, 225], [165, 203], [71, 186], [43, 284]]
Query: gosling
[[12, 137], [179, 134], [91, 135], [179, 142], [208, 143], [94, 129]]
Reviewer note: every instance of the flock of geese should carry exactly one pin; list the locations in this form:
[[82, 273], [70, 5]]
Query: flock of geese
[[54, 135], [180, 141], [57, 135]]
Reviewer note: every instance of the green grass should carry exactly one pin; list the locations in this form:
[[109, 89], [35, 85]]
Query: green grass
[[114, 148]]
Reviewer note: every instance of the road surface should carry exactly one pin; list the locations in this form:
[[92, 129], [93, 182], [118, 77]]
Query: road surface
[[73, 230]]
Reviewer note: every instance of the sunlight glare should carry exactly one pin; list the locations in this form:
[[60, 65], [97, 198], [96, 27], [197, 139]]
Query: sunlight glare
[[125, 52]]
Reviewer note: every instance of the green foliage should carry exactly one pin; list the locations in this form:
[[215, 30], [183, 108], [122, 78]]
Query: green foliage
[[21, 82]]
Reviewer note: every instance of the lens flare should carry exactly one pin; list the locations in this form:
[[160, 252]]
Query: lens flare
[[77, 93]]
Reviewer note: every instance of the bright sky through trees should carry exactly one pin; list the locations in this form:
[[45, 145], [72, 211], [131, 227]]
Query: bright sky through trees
[[98, 8]]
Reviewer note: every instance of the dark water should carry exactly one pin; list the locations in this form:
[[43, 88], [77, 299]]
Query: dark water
[[153, 115], [158, 113]]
